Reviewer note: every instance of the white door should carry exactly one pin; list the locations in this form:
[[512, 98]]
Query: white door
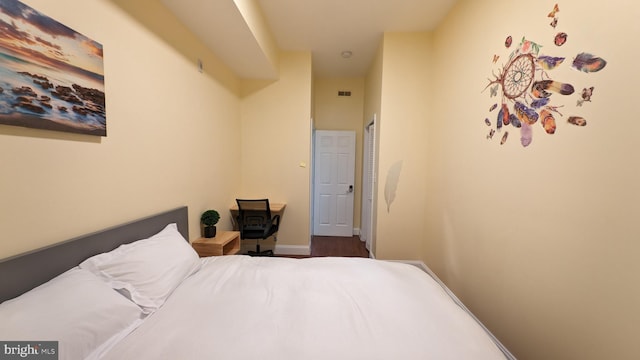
[[334, 172], [368, 181]]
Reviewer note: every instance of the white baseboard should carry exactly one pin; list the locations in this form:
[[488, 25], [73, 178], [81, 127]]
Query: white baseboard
[[292, 250], [356, 231]]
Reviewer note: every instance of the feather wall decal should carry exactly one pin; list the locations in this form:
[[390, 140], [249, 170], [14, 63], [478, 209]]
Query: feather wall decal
[[537, 104], [560, 39], [525, 114], [549, 62], [529, 93], [588, 63], [504, 138], [526, 135], [577, 121], [538, 92], [513, 119], [555, 86], [505, 114], [391, 184], [548, 121]]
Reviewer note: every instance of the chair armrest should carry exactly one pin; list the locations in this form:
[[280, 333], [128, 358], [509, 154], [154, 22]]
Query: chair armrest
[[240, 226], [273, 226]]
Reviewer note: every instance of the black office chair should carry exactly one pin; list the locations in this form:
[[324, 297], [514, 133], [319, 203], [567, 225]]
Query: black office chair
[[255, 222]]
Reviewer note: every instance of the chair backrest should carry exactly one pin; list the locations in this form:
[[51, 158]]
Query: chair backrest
[[254, 213]]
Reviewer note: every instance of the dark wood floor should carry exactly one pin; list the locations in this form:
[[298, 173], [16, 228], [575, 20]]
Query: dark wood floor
[[335, 246], [338, 246]]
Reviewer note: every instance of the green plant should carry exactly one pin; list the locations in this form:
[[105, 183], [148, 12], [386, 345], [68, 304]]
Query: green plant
[[210, 218]]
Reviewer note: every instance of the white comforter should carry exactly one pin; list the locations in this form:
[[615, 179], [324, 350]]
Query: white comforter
[[239, 307]]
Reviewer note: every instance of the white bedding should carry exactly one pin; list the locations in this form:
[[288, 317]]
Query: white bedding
[[239, 307], [77, 309]]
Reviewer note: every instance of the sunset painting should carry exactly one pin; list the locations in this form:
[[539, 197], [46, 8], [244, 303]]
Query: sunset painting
[[51, 77]]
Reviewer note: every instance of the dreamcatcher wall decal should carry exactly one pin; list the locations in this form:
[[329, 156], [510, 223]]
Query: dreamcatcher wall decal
[[525, 87]]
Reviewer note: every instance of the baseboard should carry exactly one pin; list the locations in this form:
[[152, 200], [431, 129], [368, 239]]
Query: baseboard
[[356, 231], [292, 250]]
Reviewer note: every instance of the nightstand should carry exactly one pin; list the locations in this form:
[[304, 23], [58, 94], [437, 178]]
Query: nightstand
[[224, 243]]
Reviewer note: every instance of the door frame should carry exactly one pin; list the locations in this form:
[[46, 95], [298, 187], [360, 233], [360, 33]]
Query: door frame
[[368, 194]]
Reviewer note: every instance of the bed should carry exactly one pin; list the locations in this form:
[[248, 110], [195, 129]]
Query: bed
[[139, 291]]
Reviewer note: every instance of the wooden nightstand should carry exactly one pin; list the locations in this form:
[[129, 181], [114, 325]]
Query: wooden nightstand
[[224, 243]]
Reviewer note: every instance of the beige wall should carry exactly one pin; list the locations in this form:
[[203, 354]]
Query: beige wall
[[276, 136], [253, 16], [173, 138], [333, 112], [402, 127], [540, 242]]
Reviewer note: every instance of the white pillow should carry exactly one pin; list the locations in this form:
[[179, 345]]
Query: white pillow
[[76, 308], [147, 271]]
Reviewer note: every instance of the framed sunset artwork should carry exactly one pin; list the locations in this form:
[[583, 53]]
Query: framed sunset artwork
[[51, 77]]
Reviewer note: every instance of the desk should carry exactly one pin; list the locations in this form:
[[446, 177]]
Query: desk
[[276, 209]]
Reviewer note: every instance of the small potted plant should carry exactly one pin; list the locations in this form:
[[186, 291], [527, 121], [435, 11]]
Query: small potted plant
[[209, 219]]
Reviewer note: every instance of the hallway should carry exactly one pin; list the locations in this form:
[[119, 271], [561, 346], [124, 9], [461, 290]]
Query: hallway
[[338, 246]]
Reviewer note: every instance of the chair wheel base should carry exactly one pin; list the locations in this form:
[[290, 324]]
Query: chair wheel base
[[261, 253]]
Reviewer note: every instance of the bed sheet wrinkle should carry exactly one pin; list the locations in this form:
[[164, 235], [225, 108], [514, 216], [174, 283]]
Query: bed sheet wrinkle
[[241, 308]]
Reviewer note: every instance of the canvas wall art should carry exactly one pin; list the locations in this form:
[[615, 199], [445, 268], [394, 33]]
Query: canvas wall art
[[51, 77]]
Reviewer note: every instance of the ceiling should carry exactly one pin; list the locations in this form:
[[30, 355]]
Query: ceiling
[[326, 28]]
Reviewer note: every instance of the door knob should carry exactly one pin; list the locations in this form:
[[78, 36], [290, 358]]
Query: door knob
[[350, 188]]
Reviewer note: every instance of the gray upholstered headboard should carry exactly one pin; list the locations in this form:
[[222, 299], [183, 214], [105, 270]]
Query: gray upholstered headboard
[[21, 273]]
